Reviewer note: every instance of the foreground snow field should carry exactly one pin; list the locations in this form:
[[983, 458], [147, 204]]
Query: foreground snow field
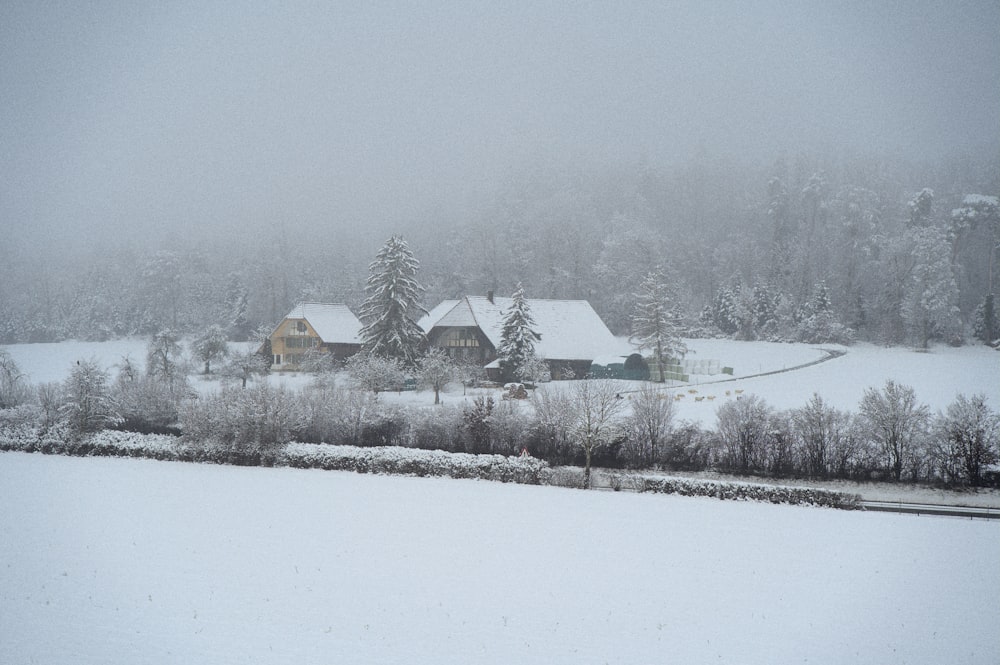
[[113, 560]]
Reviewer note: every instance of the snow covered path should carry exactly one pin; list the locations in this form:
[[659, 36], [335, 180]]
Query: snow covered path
[[114, 560]]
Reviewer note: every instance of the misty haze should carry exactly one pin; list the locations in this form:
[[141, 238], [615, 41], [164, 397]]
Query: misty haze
[[674, 252]]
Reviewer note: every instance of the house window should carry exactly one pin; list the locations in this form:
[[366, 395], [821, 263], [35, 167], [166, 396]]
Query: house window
[[277, 359], [301, 342], [459, 338], [297, 328]]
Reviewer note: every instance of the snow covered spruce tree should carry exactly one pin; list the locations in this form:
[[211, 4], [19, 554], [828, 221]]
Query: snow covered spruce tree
[[655, 321], [930, 306], [392, 304], [517, 339]]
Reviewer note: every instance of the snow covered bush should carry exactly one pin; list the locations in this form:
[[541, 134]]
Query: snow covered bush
[[744, 430], [689, 448], [432, 429], [243, 426], [405, 461], [146, 404], [549, 436], [735, 491]]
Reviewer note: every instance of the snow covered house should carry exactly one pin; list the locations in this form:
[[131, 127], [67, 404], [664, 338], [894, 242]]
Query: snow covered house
[[327, 328], [571, 333]]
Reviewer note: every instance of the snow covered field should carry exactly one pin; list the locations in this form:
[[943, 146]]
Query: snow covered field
[[136, 561]]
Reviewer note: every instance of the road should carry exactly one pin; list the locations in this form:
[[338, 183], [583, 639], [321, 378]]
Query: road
[[930, 509]]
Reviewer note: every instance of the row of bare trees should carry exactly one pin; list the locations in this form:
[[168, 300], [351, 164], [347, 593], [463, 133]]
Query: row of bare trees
[[891, 435]]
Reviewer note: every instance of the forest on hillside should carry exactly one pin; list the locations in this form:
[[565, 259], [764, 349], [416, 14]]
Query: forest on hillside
[[806, 248]]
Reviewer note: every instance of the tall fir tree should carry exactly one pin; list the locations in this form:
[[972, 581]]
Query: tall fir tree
[[392, 304], [517, 339], [655, 321], [930, 306]]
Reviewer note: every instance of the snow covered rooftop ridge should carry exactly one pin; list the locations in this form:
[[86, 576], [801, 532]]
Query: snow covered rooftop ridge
[[334, 323], [569, 329]]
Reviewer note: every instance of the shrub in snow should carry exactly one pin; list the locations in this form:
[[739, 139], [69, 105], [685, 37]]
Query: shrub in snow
[[439, 428], [744, 428], [405, 461], [147, 404], [244, 426], [749, 492], [61, 440], [689, 448], [476, 423], [25, 415], [550, 436]]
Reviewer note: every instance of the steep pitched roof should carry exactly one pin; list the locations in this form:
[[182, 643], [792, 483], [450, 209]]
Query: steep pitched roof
[[569, 329], [428, 321], [335, 324]]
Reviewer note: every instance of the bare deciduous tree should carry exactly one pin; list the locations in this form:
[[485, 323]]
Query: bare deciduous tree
[[597, 404], [894, 422]]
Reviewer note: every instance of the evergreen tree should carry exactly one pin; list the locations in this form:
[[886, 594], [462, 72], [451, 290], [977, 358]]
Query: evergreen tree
[[725, 314], [517, 339], [920, 208], [930, 305], [392, 304], [989, 320], [237, 300], [655, 320]]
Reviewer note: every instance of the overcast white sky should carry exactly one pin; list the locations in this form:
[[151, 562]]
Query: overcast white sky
[[127, 118]]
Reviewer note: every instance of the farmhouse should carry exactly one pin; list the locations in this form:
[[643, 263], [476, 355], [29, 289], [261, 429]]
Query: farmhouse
[[324, 327], [572, 334]]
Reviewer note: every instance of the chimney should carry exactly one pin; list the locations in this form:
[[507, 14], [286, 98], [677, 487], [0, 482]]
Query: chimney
[[489, 296]]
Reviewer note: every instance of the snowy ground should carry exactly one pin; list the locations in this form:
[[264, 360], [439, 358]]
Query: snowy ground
[[136, 561]]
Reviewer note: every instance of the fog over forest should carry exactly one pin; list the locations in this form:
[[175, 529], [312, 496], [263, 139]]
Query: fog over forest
[[164, 163]]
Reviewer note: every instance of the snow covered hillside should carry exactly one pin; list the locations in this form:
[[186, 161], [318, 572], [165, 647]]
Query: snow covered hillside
[[112, 560]]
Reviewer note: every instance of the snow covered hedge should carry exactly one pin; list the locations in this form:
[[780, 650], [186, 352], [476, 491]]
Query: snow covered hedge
[[59, 440], [388, 460], [411, 462], [394, 460], [736, 491]]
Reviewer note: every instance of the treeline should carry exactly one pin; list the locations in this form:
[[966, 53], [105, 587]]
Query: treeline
[[807, 249], [891, 436]]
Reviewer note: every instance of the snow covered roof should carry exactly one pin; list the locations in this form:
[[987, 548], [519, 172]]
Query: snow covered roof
[[569, 329], [335, 324], [432, 317]]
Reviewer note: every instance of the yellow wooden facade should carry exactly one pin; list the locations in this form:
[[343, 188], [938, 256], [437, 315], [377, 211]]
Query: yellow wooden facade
[[290, 341]]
